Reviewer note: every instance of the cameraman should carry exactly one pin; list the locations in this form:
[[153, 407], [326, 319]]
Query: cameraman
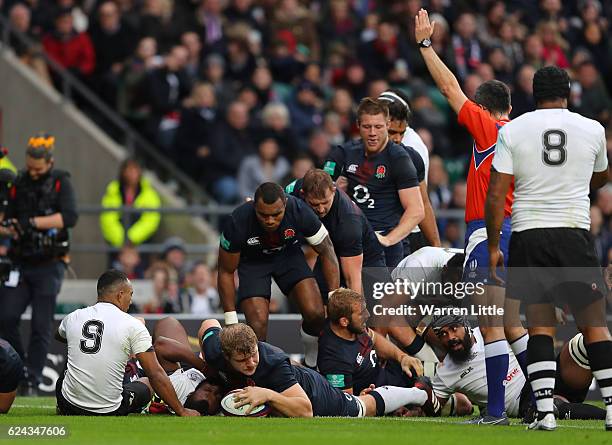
[[41, 208]]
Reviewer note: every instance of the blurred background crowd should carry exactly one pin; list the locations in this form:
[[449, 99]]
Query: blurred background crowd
[[237, 92]]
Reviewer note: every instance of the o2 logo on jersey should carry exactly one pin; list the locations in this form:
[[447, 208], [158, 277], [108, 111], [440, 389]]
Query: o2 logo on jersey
[[381, 171], [289, 233], [361, 195]]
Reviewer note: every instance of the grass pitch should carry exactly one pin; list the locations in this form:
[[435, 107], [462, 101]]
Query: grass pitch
[[166, 430]]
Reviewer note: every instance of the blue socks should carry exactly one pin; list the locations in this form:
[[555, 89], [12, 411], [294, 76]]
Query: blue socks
[[496, 358]]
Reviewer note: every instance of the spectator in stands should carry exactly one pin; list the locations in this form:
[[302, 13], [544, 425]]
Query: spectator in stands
[[589, 95], [31, 55], [203, 297], [240, 62], [275, 124], [319, 147], [193, 43], [534, 51], [439, 191], [214, 73], [211, 20], [72, 50], [244, 11], [165, 298], [297, 23], [467, 47], [381, 55], [266, 166], [160, 20], [131, 100], [232, 142], [192, 145], [301, 164], [509, 44], [332, 127], [262, 85], [131, 189], [553, 44], [175, 258], [305, 110], [522, 95], [113, 43], [339, 24], [501, 65], [343, 106], [129, 262], [601, 234], [165, 88]]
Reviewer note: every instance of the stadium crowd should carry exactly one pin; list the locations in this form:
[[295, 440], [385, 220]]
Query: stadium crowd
[[239, 92]]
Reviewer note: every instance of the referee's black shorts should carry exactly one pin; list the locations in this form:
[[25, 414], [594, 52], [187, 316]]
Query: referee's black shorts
[[554, 265]]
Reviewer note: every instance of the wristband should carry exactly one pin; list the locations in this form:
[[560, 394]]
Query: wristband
[[230, 318]]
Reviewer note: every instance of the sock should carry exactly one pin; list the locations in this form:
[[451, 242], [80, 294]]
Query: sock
[[519, 348], [496, 360], [541, 368], [390, 398], [600, 358], [580, 411], [311, 349]]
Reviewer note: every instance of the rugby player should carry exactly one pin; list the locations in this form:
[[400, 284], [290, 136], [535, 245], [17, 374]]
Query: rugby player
[[381, 177], [195, 387], [554, 157], [262, 241], [431, 265], [353, 238], [11, 373], [463, 370], [350, 353], [426, 233], [483, 118], [268, 376], [101, 338]]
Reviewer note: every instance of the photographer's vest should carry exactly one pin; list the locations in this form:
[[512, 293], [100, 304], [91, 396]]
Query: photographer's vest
[[38, 198]]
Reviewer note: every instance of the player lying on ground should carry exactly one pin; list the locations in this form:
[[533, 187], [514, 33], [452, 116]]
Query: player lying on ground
[[464, 370], [186, 371], [11, 373], [291, 390], [353, 357], [101, 338]]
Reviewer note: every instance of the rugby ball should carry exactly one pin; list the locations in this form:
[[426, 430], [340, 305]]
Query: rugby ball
[[228, 407]]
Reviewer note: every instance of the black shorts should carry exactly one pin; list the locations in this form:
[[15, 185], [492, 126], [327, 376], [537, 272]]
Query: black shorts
[[135, 397], [287, 268], [557, 265], [11, 368], [392, 374], [572, 395]]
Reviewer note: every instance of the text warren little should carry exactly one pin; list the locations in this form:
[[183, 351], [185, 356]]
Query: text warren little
[[429, 309]]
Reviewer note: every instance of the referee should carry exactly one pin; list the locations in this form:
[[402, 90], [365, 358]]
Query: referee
[[554, 156]]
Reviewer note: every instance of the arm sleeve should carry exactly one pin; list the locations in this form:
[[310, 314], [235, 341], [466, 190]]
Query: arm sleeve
[[231, 236], [67, 203], [334, 165], [502, 160], [338, 373], [148, 223], [349, 242], [477, 121], [62, 327], [140, 339], [419, 165], [440, 389], [281, 377], [404, 172], [601, 161], [310, 225], [211, 346]]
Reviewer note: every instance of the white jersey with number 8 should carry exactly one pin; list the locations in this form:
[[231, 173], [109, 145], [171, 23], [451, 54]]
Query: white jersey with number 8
[[552, 154]]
